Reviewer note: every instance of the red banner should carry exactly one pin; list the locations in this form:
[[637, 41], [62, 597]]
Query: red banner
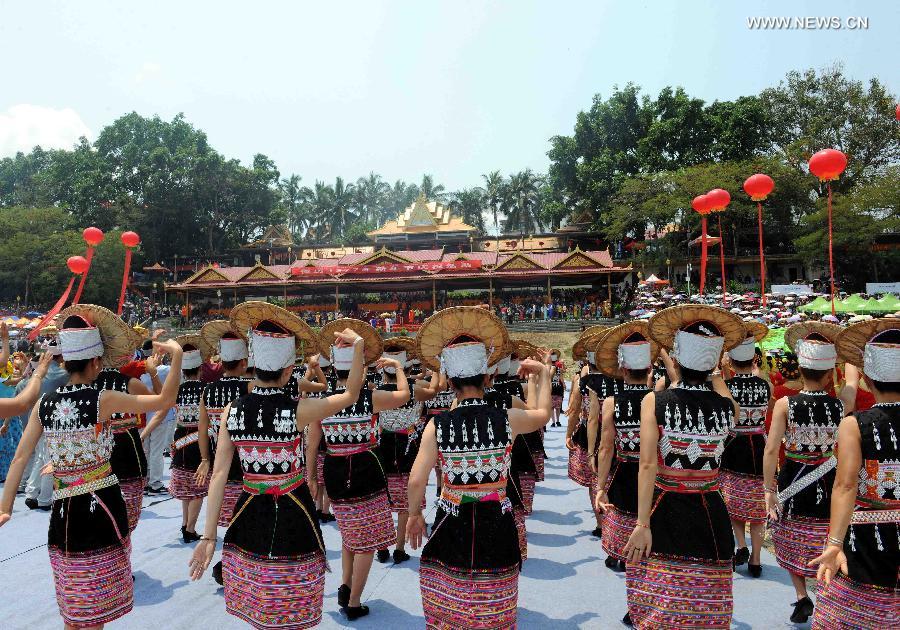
[[393, 268]]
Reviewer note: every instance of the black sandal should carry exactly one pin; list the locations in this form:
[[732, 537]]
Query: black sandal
[[343, 596], [356, 612]]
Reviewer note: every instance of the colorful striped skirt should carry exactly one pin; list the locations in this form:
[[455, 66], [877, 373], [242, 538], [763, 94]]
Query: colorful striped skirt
[[527, 483], [798, 540], [398, 488], [846, 604], [273, 592], [93, 587], [579, 469], [519, 519], [617, 526], [539, 460], [453, 599], [233, 490], [676, 592], [133, 493], [365, 524], [183, 486], [744, 496]]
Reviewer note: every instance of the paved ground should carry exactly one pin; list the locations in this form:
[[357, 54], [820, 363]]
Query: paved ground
[[564, 584]]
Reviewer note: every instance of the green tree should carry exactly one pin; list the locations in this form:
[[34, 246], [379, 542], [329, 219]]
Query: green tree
[[494, 190], [469, 202]]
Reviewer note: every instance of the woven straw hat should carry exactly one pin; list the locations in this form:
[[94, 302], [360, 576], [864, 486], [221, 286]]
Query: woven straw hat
[[851, 342], [593, 330], [446, 325], [668, 321], [246, 315], [119, 339], [401, 344], [206, 350], [372, 343], [802, 330], [212, 332], [759, 330], [524, 349], [608, 348]]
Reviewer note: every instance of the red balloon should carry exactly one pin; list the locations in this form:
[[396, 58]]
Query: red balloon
[[759, 186], [718, 199], [897, 111], [130, 239], [827, 164], [77, 264], [92, 236], [699, 204]]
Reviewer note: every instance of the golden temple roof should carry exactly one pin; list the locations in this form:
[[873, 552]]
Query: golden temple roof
[[424, 216]]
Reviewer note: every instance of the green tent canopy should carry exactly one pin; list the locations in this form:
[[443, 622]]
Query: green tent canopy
[[852, 304], [890, 303], [816, 306]]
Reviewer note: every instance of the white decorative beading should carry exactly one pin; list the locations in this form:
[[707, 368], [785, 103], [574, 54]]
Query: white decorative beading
[[881, 362], [744, 352], [80, 343], [697, 352], [232, 349], [816, 355], [464, 360], [634, 356], [272, 351]]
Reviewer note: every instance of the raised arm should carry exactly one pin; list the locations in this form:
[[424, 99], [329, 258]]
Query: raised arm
[[119, 402], [640, 541], [843, 498], [25, 399], [311, 410], [383, 400], [26, 446], [527, 420], [851, 386]]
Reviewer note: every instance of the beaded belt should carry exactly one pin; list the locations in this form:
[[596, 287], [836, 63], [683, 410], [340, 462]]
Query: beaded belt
[[276, 486], [861, 517], [189, 439], [707, 482], [807, 480], [123, 425], [451, 498], [810, 459], [748, 430], [628, 456], [343, 450], [91, 481]]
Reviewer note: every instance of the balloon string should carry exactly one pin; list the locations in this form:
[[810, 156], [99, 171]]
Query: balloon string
[[702, 254], [89, 254], [762, 260], [830, 250], [53, 311], [124, 280], [722, 258]]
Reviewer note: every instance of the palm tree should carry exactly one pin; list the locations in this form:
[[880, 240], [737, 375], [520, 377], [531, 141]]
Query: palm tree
[[522, 203], [291, 200], [397, 198], [341, 215], [318, 204], [470, 202], [494, 193], [370, 195], [431, 190]]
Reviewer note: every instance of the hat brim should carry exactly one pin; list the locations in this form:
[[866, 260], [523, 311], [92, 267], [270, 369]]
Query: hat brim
[[446, 325], [607, 351], [669, 321], [119, 339], [212, 332], [759, 330], [796, 332], [586, 342], [401, 344], [525, 349], [246, 315], [193, 339], [851, 342], [372, 342]]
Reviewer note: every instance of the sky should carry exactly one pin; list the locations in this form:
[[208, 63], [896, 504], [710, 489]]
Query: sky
[[454, 89]]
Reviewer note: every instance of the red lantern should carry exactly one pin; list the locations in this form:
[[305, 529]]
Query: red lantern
[[700, 204], [92, 236], [897, 111], [827, 164], [759, 186], [77, 264], [130, 239], [718, 199]]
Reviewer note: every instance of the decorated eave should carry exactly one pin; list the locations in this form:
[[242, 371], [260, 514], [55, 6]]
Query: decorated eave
[[387, 266]]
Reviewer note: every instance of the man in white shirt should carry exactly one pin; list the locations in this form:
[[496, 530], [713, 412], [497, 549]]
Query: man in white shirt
[[158, 440]]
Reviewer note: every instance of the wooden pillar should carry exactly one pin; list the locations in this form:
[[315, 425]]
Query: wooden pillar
[[433, 295], [284, 294], [337, 298], [609, 289], [491, 291], [549, 296], [187, 302], [235, 298]]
